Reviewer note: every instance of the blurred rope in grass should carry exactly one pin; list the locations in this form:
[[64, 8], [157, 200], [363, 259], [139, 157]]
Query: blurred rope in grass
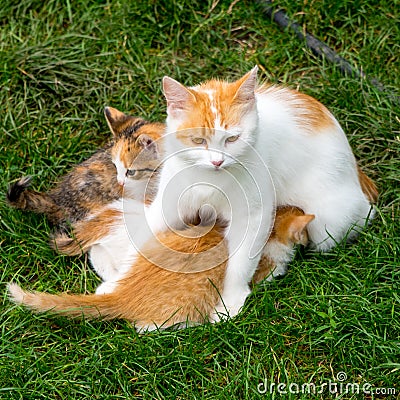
[[321, 49]]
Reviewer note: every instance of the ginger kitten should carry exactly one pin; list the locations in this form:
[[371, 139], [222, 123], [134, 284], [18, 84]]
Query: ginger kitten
[[132, 154], [151, 297]]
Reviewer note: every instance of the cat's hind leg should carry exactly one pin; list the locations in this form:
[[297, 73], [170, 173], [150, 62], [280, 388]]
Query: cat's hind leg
[[102, 261]]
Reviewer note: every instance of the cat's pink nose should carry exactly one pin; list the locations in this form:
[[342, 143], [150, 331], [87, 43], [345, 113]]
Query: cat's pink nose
[[217, 163]]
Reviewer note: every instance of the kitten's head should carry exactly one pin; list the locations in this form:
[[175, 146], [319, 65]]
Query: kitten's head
[[213, 123], [290, 226], [135, 152]]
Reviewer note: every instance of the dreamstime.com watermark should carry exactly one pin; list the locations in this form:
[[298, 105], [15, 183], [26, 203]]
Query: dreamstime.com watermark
[[338, 386]]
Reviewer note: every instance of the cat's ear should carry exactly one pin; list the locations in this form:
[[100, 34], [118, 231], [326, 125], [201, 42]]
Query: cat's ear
[[148, 144], [246, 87], [114, 117], [298, 228], [177, 95]]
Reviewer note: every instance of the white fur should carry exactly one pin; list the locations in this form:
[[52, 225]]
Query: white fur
[[121, 169], [135, 189], [115, 253], [314, 171], [210, 94], [281, 254]]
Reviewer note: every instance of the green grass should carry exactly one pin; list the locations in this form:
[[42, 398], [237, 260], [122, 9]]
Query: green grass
[[61, 63]]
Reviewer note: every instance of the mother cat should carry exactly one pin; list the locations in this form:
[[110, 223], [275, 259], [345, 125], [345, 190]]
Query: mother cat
[[221, 136]]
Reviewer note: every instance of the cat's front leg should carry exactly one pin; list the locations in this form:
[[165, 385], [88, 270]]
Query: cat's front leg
[[163, 213], [239, 272], [244, 250], [161, 216], [143, 225]]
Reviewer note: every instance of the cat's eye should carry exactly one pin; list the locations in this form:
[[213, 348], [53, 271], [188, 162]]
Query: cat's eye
[[131, 172], [232, 139], [199, 140]]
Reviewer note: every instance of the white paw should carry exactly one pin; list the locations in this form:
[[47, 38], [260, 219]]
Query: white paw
[[278, 272], [226, 310], [143, 328], [220, 313], [106, 287]]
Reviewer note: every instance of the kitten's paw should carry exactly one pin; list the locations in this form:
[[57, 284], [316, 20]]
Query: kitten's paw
[[278, 272]]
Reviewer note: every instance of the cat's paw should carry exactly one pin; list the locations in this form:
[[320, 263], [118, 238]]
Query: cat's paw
[[230, 307], [144, 328], [220, 314], [223, 312], [106, 287]]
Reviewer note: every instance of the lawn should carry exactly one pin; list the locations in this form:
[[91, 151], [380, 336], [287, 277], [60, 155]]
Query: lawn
[[333, 314]]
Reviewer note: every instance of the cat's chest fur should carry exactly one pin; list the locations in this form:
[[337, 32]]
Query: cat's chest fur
[[193, 188]]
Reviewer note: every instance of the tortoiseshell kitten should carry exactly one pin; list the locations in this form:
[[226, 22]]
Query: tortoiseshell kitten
[[133, 153]]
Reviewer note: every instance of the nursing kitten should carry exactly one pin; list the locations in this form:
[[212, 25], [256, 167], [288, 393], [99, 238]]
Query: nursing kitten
[[94, 182], [151, 296], [104, 236], [225, 142]]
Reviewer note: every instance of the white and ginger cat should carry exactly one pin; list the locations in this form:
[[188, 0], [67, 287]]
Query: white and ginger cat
[[151, 296], [132, 153], [221, 140]]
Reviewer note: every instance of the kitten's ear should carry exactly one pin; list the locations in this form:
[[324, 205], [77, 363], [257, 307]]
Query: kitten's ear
[[246, 87], [148, 144], [298, 228], [177, 95], [113, 117]]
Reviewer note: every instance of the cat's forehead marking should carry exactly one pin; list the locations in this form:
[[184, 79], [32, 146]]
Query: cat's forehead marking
[[214, 110], [217, 120], [119, 164], [128, 126], [210, 94], [127, 148]]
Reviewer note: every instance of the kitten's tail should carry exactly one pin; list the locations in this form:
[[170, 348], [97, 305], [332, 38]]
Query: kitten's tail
[[30, 200], [368, 186], [73, 306], [86, 233]]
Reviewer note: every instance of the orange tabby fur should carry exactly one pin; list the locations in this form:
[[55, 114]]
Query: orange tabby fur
[[223, 103], [368, 186], [150, 295], [86, 232], [310, 112]]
